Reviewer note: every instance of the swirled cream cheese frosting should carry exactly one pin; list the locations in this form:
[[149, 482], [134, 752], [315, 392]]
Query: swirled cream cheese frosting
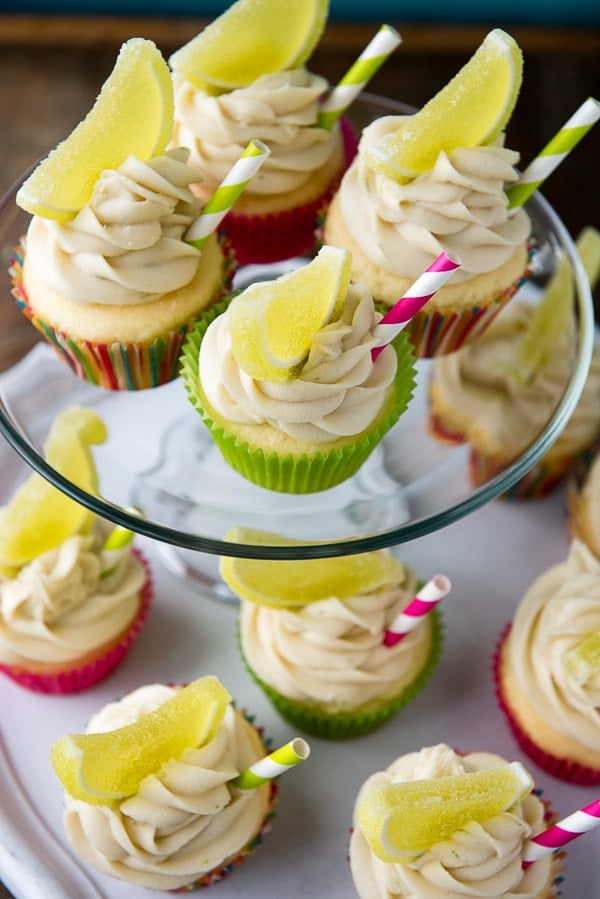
[[184, 822], [398, 229], [331, 651], [483, 393], [480, 860], [338, 393], [126, 245], [280, 109], [63, 605], [558, 613]]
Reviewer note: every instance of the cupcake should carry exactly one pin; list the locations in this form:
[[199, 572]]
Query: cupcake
[[286, 383], [499, 392], [109, 279], [548, 672], [69, 617], [277, 214], [583, 495], [483, 857], [185, 825], [313, 637], [73, 593], [398, 206]]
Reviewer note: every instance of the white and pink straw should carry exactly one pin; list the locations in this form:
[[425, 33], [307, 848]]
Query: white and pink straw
[[562, 833], [427, 597], [396, 318]]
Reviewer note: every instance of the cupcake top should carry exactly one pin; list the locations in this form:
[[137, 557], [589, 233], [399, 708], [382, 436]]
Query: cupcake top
[[546, 649], [458, 205], [183, 822], [125, 246], [336, 390], [500, 407], [331, 651], [69, 600], [583, 501], [280, 109], [481, 859]]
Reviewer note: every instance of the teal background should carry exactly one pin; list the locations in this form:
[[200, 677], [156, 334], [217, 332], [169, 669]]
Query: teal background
[[541, 12]]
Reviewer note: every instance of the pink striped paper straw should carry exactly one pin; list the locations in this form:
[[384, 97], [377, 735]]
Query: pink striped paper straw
[[395, 319], [428, 597], [558, 835]]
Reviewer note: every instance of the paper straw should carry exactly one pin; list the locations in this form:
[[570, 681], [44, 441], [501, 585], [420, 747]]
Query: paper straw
[[558, 835], [414, 299], [428, 597], [233, 184], [553, 153], [284, 758], [370, 60]]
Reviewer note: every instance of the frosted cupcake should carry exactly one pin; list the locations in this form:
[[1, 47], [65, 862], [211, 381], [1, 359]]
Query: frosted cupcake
[[499, 392], [286, 382], [186, 824], [548, 673], [484, 857], [274, 99], [73, 593], [483, 396], [70, 616], [313, 637], [402, 202], [107, 275]]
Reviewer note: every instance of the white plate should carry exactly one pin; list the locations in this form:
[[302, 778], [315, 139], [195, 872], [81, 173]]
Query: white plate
[[491, 557]]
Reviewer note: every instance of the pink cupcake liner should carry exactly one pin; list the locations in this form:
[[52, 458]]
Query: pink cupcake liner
[[274, 236], [76, 679], [563, 769], [114, 366]]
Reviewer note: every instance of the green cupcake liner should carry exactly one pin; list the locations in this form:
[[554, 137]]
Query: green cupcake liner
[[320, 722], [301, 473]]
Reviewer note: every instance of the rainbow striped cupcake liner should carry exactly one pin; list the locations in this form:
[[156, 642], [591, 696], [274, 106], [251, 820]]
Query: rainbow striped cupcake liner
[[117, 365]]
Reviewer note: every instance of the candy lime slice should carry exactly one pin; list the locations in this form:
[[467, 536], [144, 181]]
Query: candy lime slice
[[273, 324], [250, 39], [405, 819], [39, 516], [472, 109], [295, 583], [554, 315], [588, 246], [583, 661], [133, 115], [103, 768]]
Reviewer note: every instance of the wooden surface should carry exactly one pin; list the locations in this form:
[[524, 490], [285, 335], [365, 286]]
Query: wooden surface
[[51, 69]]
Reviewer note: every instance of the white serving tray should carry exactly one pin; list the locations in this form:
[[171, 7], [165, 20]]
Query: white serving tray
[[491, 558]]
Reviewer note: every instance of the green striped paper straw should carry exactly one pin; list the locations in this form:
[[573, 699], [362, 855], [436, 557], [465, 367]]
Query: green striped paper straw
[[284, 758], [233, 184], [553, 153], [373, 56]]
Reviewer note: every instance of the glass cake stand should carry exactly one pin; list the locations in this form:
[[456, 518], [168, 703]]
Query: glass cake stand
[[161, 475]]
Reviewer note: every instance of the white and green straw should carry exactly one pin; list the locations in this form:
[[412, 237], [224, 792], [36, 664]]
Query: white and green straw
[[233, 184], [284, 758], [373, 56], [553, 153]]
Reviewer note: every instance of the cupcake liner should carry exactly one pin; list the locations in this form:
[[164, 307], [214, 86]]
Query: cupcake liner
[[564, 769], [545, 476], [345, 724], [290, 473], [114, 366], [75, 679], [270, 237]]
